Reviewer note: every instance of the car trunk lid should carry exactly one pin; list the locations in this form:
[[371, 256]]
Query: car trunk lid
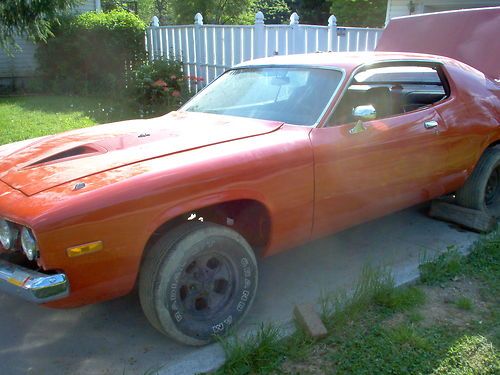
[[465, 35]]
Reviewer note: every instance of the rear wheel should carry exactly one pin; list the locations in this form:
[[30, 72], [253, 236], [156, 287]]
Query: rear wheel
[[481, 191], [198, 281]]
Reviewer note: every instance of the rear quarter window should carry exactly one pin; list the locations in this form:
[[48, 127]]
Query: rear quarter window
[[391, 90]]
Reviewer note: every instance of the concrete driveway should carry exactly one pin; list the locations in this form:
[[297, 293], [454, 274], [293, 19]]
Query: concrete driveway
[[115, 338]]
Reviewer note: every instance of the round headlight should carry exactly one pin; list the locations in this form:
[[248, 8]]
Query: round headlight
[[28, 243], [8, 234]]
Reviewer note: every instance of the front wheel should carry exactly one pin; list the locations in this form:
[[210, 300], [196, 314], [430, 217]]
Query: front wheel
[[481, 191], [198, 281]]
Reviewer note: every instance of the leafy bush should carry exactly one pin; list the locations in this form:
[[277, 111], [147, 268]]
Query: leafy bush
[[92, 53], [360, 13], [161, 83]]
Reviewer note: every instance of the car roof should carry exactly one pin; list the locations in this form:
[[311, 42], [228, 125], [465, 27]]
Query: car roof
[[347, 61]]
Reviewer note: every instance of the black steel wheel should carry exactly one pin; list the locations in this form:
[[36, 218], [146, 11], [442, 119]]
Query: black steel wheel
[[197, 282], [206, 284]]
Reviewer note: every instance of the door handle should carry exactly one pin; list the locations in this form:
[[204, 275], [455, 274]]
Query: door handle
[[430, 124]]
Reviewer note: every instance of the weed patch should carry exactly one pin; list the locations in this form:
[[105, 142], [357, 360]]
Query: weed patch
[[448, 324], [464, 303], [444, 268]]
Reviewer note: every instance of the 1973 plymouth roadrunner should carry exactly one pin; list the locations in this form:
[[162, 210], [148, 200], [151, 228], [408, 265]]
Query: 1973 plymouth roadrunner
[[272, 154]]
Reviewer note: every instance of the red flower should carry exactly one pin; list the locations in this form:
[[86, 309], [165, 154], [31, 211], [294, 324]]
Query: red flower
[[176, 93], [159, 83]]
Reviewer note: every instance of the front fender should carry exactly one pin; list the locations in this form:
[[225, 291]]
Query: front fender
[[214, 198]]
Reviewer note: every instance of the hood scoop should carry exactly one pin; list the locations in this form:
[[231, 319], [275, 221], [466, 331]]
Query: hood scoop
[[72, 153], [71, 156]]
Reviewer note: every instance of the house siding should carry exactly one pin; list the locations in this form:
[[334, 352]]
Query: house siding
[[23, 63], [399, 8], [89, 6]]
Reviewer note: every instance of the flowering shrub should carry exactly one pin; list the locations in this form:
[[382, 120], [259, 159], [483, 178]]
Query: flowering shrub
[[162, 83]]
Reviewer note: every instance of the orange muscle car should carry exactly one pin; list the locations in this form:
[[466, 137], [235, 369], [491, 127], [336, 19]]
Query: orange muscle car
[[272, 154]]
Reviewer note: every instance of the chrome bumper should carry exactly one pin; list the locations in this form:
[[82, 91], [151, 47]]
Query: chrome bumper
[[31, 285]]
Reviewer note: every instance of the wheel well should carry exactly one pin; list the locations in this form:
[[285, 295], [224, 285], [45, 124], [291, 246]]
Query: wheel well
[[249, 218], [495, 144]]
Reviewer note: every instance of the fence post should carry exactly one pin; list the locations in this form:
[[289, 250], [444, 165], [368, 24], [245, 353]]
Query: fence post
[[332, 33], [259, 40], [294, 31], [199, 43], [154, 38]]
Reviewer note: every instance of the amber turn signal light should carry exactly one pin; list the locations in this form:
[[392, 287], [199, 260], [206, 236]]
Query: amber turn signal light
[[85, 249]]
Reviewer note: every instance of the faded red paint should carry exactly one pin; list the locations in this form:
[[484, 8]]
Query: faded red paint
[[470, 36], [312, 180]]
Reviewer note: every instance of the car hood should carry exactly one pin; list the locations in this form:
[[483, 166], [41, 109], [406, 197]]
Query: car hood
[[50, 161]]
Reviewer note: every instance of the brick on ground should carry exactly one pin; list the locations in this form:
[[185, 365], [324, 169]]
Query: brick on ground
[[309, 320]]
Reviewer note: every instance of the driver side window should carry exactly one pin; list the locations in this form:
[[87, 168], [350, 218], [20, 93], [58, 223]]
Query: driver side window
[[391, 90]]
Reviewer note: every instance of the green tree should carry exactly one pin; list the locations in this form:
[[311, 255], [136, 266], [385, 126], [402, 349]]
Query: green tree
[[360, 13], [314, 12], [213, 11], [146, 10], [128, 5], [31, 18], [161, 9], [275, 11]]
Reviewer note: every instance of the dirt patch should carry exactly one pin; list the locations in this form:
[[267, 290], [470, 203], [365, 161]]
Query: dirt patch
[[443, 304], [395, 320], [314, 365]]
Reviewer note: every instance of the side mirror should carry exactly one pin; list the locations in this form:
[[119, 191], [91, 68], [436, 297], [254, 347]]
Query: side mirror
[[364, 112]]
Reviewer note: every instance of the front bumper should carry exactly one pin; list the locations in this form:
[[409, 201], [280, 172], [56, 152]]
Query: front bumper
[[30, 285]]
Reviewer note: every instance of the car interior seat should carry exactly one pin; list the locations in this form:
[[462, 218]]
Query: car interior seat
[[380, 98]]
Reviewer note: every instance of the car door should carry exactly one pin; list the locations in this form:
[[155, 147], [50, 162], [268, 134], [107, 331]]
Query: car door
[[376, 167]]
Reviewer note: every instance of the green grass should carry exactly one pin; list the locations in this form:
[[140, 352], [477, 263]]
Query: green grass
[[409, 349], [380, 329], [471, 354], [34, 116], [464, 303], [444, 268], [400, 299], [374, 284], [483, 262], [261, 352], [414, 317]]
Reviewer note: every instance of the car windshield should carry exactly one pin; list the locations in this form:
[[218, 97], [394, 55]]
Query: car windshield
[[294, 95]]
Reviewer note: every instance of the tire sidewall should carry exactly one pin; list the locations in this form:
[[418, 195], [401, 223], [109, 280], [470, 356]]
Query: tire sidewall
[[492, 165], [491, 162], [168, 307], [472, 193]]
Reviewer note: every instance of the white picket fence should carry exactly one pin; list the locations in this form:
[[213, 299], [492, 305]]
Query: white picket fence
[[208, 50]]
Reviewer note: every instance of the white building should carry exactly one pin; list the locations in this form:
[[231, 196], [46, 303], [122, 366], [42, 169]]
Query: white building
[[14, 69], [398, 8]]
